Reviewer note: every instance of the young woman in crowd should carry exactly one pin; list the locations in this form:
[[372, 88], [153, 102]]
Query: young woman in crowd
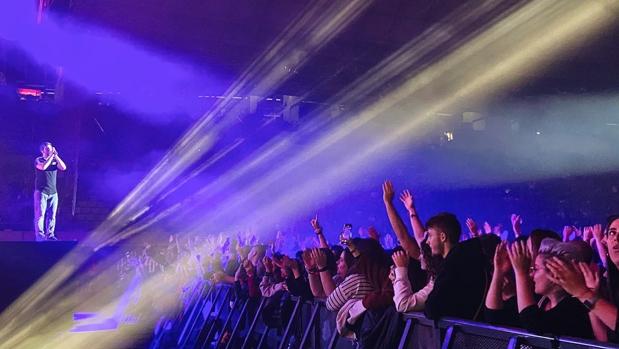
[[501, 305], [582, 281], [405, 298], [356, 284], [556, 312]]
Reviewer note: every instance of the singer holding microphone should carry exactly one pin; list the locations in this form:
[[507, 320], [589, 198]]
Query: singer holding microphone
[[45, 193]]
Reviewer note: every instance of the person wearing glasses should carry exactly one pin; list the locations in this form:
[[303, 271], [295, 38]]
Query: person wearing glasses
[[584, 283], [556, 313]]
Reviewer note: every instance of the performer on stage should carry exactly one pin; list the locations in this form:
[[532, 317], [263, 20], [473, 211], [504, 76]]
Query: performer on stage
[[45, 194]]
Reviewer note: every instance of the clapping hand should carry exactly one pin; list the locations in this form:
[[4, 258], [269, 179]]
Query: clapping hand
[[519, 256], [290, 263], [268, 264], [400, 259], [487, 228], [587, 234], [516, 224], [308, 259], [591, 273], [598, 234], [320, 258], [470, 223], [567, 231], [502, 263], [567, 275]]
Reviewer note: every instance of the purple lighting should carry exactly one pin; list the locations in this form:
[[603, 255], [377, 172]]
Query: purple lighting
[[141, 79]]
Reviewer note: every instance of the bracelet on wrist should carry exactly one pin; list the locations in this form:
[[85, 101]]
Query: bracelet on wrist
[[320, 270]]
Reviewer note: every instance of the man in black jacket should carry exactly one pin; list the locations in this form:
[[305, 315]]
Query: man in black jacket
[[460, 287]]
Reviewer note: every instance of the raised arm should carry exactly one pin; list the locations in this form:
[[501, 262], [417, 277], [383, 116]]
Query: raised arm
[[409, 244], [45, 164], [318, 230], [472, 226], [312, 274], [325, 275], [403, 297], [521, 261], [516, 224], [502, 266], [601, 248], [267, 286], [61, 165], [409, 203]]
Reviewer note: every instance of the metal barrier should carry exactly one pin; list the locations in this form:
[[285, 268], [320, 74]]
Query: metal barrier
[[220, 319], [456, 333]]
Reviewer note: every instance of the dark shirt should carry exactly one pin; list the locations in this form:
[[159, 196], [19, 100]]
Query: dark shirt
[[299, 287], [417, 276], [507, 316], [248, 287], [568, 318], [45, 181], [460, 287]]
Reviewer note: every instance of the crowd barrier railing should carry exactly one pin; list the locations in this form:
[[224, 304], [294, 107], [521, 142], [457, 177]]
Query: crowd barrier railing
[[217, 318]]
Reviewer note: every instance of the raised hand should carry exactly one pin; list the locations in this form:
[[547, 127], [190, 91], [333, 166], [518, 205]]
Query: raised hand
[[577, 232], [308, 260], [470, 223], [388, 191], [519, 256], [598, 233], [487, 228], [567, 231], [373, 233], [587, 234], [268, 264], [400, 259], [316, 225], [290, 263], [320, 257], [249, 267], [388, 241], [407, 199], [567, 275], [502, 263], [240, 241], [591, 273], [516, 224]]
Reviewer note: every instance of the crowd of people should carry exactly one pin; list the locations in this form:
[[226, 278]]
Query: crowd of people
[[544, 282]]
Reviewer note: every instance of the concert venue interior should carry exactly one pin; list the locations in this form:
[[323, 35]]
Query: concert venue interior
[[309, 174]]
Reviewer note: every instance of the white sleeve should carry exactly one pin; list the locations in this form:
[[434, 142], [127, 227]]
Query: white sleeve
[[404, 298]]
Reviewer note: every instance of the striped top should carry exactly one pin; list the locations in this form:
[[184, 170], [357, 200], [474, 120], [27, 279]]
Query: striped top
[[355, 286]]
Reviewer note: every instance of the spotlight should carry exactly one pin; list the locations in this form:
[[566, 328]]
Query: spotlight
[[448, 136]]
